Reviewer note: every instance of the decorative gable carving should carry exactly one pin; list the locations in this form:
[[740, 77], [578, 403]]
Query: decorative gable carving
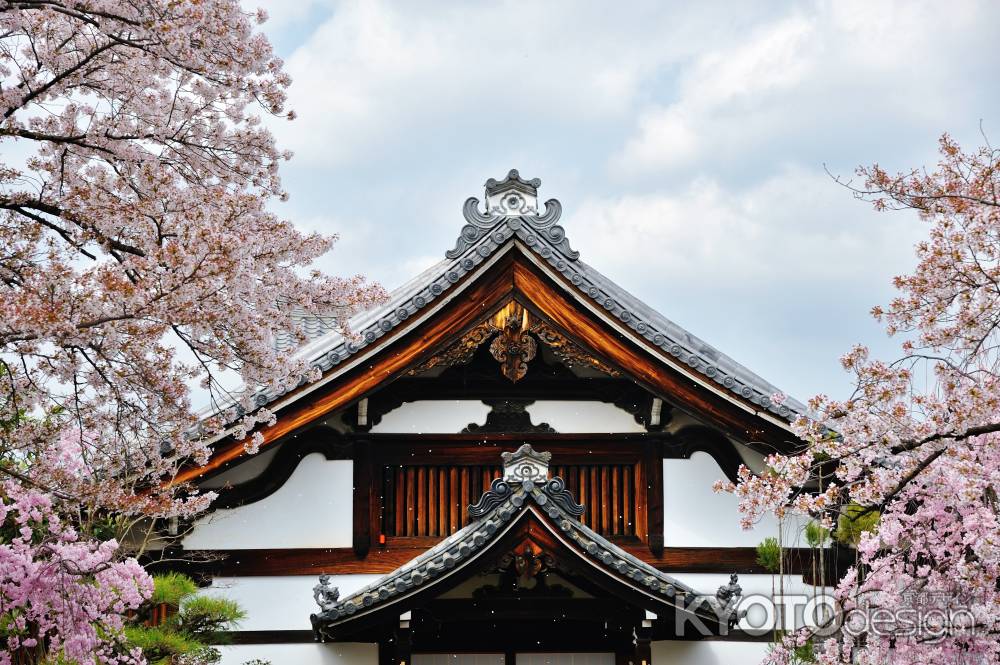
[[513, 347], [513, 330], [524, 572]]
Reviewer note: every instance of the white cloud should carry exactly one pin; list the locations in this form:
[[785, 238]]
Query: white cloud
[[694, 88], [795, 229], [363, 247], [374, 72], [774, 58], [714, 121], [780, 78], [284, 13], [779, 274]]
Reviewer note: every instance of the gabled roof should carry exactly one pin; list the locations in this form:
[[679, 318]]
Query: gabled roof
[[508, 500], [481, 237], [511, 221]]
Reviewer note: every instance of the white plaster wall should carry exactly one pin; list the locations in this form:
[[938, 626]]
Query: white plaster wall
[[312, 509], [280, 602], [346, 653], [755, 586], [565, 659], [458, 659], [708, 653], [695, 516], [568, 417], [433, 417], [709, 582], [450, 416]]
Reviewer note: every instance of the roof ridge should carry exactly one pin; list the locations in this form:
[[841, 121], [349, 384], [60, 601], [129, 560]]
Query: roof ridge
[[487, 231]]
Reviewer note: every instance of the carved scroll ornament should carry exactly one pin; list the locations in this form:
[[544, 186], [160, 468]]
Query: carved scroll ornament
[[513, 330]]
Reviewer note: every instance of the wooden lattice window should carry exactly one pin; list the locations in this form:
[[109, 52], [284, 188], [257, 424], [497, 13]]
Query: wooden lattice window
[[413, 490], [421, 500], [613, 495]]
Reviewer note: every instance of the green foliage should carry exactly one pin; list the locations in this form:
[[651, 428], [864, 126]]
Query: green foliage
[[193, 623], [171, 588], [805, 653], [769, 555], [160, 645], [854, 521], [816, 535], [210, 616]]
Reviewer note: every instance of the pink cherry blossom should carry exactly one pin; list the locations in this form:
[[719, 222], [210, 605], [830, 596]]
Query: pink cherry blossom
[[139, 254], [919, 440], [68, 593]]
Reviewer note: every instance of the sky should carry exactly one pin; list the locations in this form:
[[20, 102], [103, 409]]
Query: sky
[[693, 146]]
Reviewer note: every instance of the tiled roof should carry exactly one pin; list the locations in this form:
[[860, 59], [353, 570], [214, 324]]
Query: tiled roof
[[483, 235], [499, 507]]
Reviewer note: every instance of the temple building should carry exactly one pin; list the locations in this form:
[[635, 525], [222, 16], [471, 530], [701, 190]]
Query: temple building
[[509, 462]]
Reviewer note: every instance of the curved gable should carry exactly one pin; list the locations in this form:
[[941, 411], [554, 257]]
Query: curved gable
[[513, 253]]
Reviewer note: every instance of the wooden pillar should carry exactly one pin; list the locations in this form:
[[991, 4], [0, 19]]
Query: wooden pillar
[[643, 653], [653, 463], [362, 526], [387, 652], [643, 649], [397, 647], [404, 640]]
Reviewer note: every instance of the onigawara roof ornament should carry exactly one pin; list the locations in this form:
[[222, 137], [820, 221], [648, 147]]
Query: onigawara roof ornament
[[513, 195], [525, 464], [326, 595], [728, 598], [512, 201]]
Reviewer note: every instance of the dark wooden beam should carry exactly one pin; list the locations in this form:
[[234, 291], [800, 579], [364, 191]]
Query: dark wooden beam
[[268, 637], [481, 380], [485, 448], [307, 637], [343, 561]]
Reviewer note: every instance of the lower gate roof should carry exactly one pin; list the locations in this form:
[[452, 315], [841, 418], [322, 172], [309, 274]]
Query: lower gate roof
[[525, 492]]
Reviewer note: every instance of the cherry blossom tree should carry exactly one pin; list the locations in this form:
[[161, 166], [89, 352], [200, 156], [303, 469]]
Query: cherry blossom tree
[[60, 592], [138, 256], [918, 442]]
